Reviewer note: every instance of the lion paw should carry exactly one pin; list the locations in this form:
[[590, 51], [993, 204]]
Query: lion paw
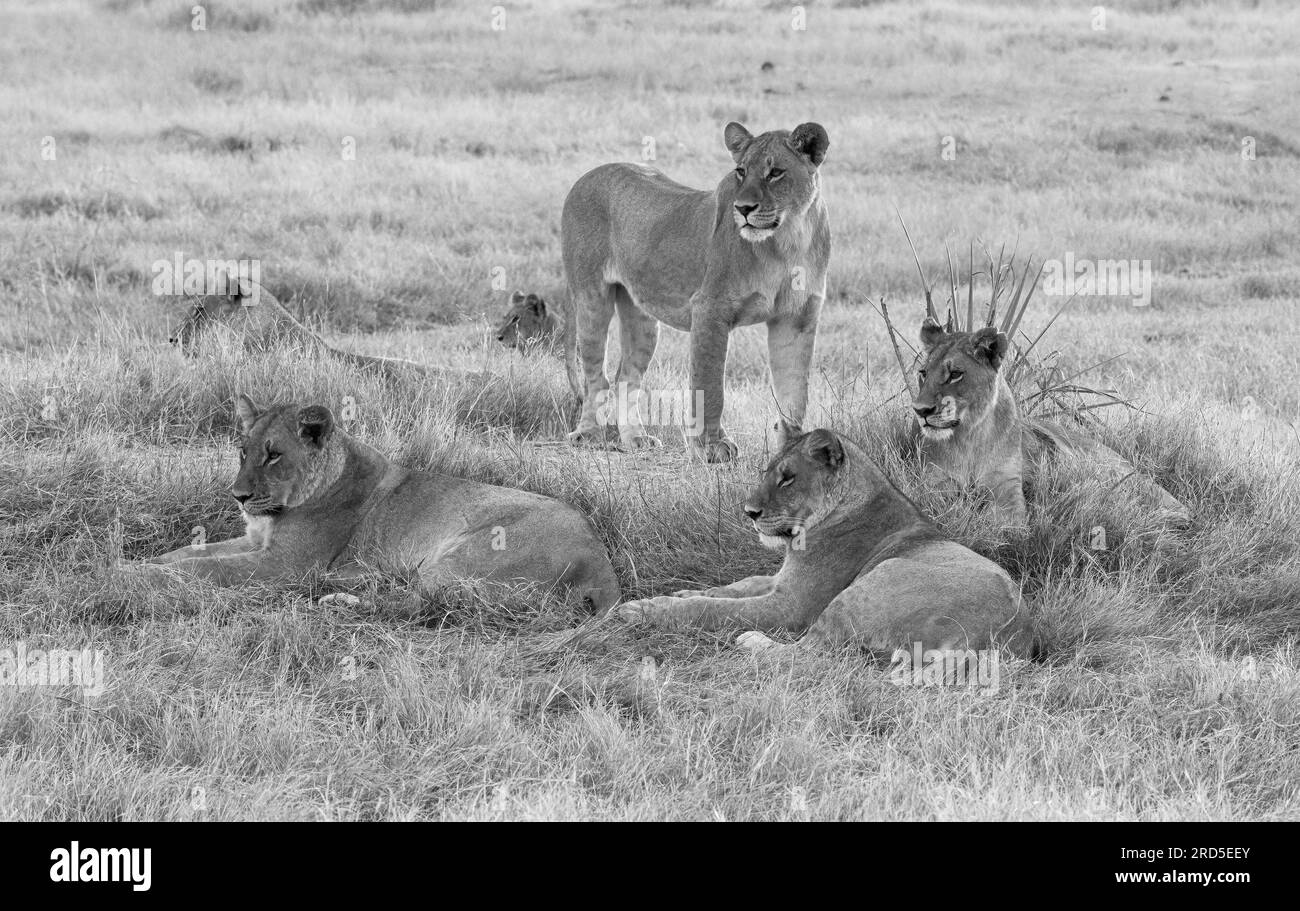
[[719, 449], [148, 573], [587, 436], [634, 611], [637, 441], [341, 599], [658, 611], [754, 641]]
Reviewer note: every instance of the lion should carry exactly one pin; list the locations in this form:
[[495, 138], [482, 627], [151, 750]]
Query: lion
[[753, 250], [313, 496], [252, 319], [862, 567], [969, 429], [528, 324]]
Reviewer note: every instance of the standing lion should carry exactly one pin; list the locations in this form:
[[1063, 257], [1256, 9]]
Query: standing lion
[[753, 250]]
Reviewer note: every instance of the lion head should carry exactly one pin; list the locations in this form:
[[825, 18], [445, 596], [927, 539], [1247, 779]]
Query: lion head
[[775, 177], [215, 312], [208, 312], [287, 455], [799, 488], [959, 380], [526, 323]]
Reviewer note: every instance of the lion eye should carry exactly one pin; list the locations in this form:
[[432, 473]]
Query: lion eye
[[272, 457], [775, 174], [955, 375], [740, 173], [921, 374], [786, 480]]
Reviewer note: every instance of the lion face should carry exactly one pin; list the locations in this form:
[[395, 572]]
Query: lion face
[[775, 177], [797, 489], [958, 380], [281, 455], [526, 322]]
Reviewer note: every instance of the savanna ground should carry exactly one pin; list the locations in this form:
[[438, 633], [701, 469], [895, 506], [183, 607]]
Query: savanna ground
[[1169, 680]]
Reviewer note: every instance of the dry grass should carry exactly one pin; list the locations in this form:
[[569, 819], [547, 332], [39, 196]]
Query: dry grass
[[1170, 676]]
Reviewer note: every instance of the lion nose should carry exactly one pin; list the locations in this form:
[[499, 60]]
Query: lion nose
[[924, 411], [753, 513], [745, 208], [240, 498]]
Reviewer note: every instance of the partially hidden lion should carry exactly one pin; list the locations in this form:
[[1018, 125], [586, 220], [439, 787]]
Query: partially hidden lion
[[969, 428], [314, 497], [862, 566], [250, 318], [529, 324], [753, 250]]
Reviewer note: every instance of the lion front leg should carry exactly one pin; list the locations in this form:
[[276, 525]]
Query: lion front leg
[[750, 587], [211, 549], [790, 345], [709, 338], [772, 611], [236, 569], [1009, 501]]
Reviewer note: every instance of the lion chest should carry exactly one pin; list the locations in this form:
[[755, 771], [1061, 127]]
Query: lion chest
[[772, 289], [780, 279], [258, 530]]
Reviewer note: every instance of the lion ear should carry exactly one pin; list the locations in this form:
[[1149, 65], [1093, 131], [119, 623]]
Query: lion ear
[[990, 345], [516, 298], [931, 334], [537, 305], [825, 447], [810, 139], [737, 139], [247, 412], [315, 424]]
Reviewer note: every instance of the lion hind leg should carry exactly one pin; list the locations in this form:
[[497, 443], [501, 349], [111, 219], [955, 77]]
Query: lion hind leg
[[592, 310], [639, 336]]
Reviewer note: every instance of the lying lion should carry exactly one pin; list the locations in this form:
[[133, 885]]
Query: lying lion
[[251, 317], [969, 427], [314, 497], [529, 324], [862, 566]]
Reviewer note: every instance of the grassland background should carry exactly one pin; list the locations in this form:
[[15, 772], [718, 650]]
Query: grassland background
[[1170, 680]]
